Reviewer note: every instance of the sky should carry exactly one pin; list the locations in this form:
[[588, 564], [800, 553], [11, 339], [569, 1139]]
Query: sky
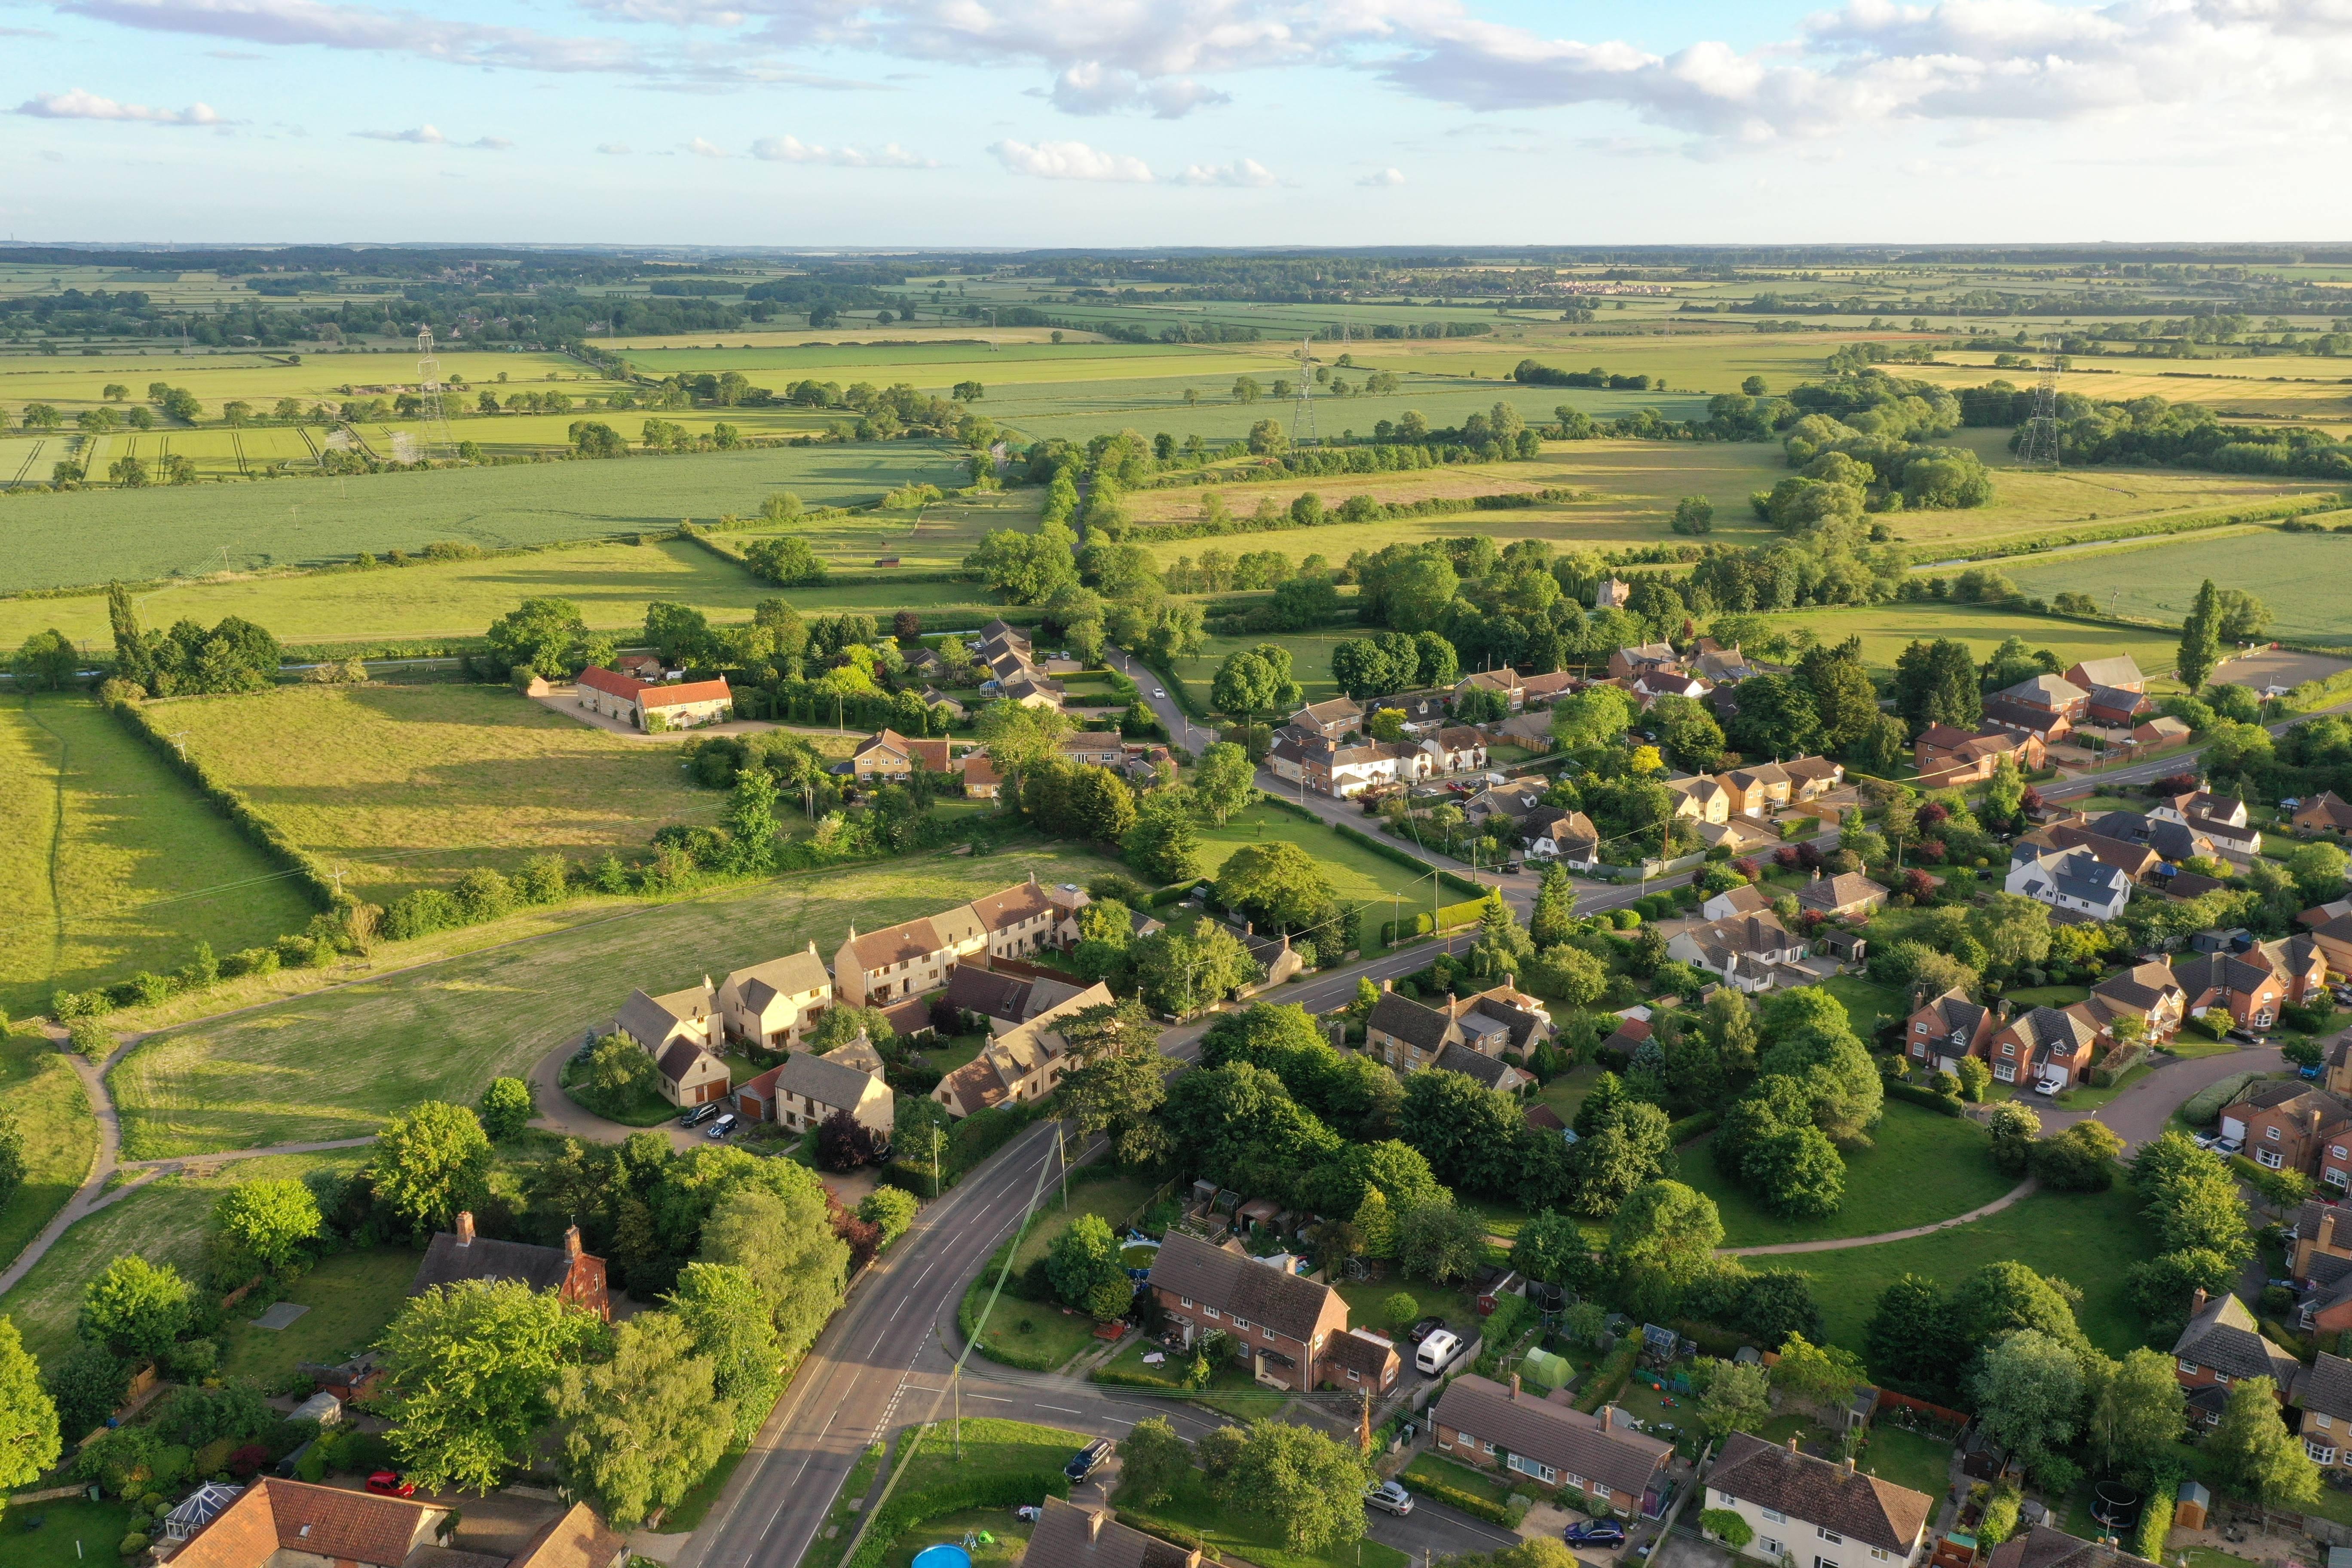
[[1209, 122]]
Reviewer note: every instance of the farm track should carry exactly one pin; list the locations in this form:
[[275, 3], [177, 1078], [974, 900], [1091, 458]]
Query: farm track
[[31, 457]]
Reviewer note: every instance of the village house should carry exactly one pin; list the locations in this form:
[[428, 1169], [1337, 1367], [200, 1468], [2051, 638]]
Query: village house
[[934, 699], [274, 1522], [1505, 682], [2334, 936], [1033, 691], [774, 1004], [1333, 721], [1944, 1029], [1346, 772], [1003, 998], [2222, 1346], [1724, 666], [1745, 899], [1456, 749], [2323, 1396], [1737, 835], [2136, 861], [2113, 708], [1406, 1035], [1020, 1065], [653, 705], [1748, 953], [1514, 802], [1548, 690], [2147, 990], [2326, 812], [2049, 706], [802, 1090], [912, 958], [1754, 791], [2119, 672], [1566, 836], [1810, 778], [1950, 758], [1812, 1511], [887, 755], [1847, 895], [1420, 709], [1627, 663], [2072, 882], [454, 1257], [2252, 981], [981, 779], [2049, 1048], [1646, 688], [1095, 748], [1067, 1535], [2319, 1259], [2287, 1125], [1602, 1454], [1279, 1323], [677, 1031], [1700, 799]]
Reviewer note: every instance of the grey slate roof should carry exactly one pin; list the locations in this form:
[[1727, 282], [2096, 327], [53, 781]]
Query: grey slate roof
[[1408, 1020], [447, 1263], [1240, 1287], [1877, 1512], [1596, 1447], [2328, 1388], [837, 1084], [2039, 1546], [2225, 1337], [1487, 1071], [1062, 1540]]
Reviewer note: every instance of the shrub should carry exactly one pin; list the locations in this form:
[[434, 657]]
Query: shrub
[[2156, 1519], [2206, 1104], [133, 1544], [1728, 1527]]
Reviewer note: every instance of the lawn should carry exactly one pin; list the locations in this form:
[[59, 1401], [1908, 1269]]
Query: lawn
[[1368, 1305], [2049, 995], [1867, 1005], [1565, 1093], [2156, 580], [1913, 1459], [286, 1072], [109, 863], [43, 1095], [72, 1532], [399, 786], [1357, 875], [1251, 1537], [1921, 1167], [1310, 661], [351, 1296], [1026, 1332], [163, 1222], [1433, 1471], [2091, 1239]]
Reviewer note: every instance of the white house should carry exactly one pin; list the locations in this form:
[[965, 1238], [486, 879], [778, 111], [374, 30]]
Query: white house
[[2072, 879], [1813, 1513]]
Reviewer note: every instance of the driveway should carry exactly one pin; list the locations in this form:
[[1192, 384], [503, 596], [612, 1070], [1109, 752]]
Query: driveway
[[2143, 1111]]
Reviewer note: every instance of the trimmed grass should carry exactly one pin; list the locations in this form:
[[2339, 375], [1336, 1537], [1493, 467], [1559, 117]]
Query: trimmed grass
[[1886, 629], [408, 786], [2049, 995], [841, 1524], [1050, 1330], [163, 1222], [1253, 1537], [41, 1092], [1009, 1538], [1565, 1093], [1907, 1458], [1368, 1307], [288, 1072], [109, 863], [2156, 580], [350, 1296], [1310, 652], [71, 1532], [1921, 1167], [1356, 874], [1434, 1470], [2090, 1240], [1866, 1004]]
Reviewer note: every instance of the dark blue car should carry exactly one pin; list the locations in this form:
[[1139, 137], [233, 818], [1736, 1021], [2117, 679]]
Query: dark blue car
[[1595, 1532]]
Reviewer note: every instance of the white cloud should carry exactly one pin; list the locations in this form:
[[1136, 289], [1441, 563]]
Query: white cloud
[[702, 149], [1383, 177], [792, 150], [1247, 172], [79, 105], [612, 146], [431, 136], [1093, 87], [1070, 161]]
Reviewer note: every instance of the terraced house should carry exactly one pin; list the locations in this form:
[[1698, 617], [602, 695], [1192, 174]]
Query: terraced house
[[1546, 1439], [917, 957], [1814, 1512]]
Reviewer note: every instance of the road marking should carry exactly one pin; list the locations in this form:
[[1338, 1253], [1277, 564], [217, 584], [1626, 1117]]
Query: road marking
[[1062, 1409]]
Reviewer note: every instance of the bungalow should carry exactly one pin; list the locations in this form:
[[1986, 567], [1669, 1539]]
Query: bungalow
[[454, 1258], [804, 1089], [2326, 812], [2071, 880], [2222, 1344], [1566, 836], [934, 699], [1033, 691], [773, 1004], [2253, 984], [1745, 899], [1735, 834], [1095, 748], [1503, 683], [1948, 758], [1748, 952], [2136, 861], [2161, 732], [2289, 1125], [1845, 896], [2119, 672], [1753, 791], [1361, 1361], [1802, 1509], [887, 755], [1406, 1035], [1279, 1323], [1334, 720], [1529, 731], [2048, 1048], [1020, 1065], [1602, 1454], [1945, 1029], [1652, 684]]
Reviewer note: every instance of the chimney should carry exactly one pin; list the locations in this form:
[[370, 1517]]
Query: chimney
[[465, 1228], [1792, 1442], [1094, 1524], [1033, 879], [1510, 983], [1514, 1385], [2197, 1301], [1388, 985], [1845, 1467], [571, 1242]]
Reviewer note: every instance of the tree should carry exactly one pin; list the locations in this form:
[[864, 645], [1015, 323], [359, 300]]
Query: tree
[[2201, 637], [1402, 1310], [1221, 782], [1726, 1524], [1244, 685], [2004, 792], [269, 1219], [637, 1432], [1552, 1248], [1118, 1092], [1083, 1259], [846, 1143], [1153, 1461], [890, 1210], [430, 1164], [136, 1307], [1438, 1241], [1551, 921], [28, 1419], [2252, 1449], [2136, 1409], [752, 823], [1304, 1481], [1165, 843], [2006, 1295], [1911, 1339], [48, 661], [782, 1235], [1179, 972], [2318, 871], [1737, 1398], [467, 1371], [2015, 1127], [2029, 1392], [1823, 1376], [1694, 514], [538, 635], [506, 1109], [2079, 1159], [1662, 1239], [723, 1312]]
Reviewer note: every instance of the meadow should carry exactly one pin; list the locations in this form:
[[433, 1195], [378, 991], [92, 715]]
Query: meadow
[[75, 383], [44, 1096], [287, 1072], [109, 863], [2300, 576], [400, 786], [1310, 656], [1886, 629], [1356, 876], [89, 536]]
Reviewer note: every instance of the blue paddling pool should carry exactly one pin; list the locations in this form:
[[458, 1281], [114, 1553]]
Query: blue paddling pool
[[946, 1554]]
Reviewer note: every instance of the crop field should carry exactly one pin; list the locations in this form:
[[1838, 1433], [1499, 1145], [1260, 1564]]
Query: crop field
[[1886, 629], [216, 378], [89, 536], [2282, 386], [2301, 576], [936, 367], [400, 787], [109, 863], [163, 1222], [45, 1098], [288, 1072]]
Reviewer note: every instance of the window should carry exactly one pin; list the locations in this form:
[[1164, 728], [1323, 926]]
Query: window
[[1186, 1300], [1488, 1446], [1466, 1440], [1878, 1554], [2322, 1420], [1831, 1536], [2008, 1048], [2321, 1454], [2270, 1158], [1725, 1499], [2337, 1151], [1825, 1562], [1773, 1515], [1211, 1311], [2189, 1369], [1767, 1547], [2271, 1133], [1241, 1325], [1920, 1028]]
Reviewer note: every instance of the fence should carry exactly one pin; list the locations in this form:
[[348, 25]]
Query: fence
[[1944, 1413]]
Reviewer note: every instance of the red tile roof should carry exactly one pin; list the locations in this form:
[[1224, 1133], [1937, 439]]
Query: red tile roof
[[597, 678], [325, 1521], [685, 692]]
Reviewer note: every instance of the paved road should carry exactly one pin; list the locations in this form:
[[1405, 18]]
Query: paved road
[[2143, 1111]]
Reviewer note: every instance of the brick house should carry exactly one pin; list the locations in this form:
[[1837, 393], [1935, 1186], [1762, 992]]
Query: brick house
[[2323, 1396], [2119, 672], [2049, 706], [774, 1004], [2116, 707], [2288, 1125], [2147, 990], [2252, 983], [1361, 1361], [279, 1521], [1333, 721], [1943, 1029], [2053, 1046], [1406, 1035], [1948, 757], [2222, 1344], [887, 755], [2326, 812], [1700, 799], [1753, 791], [1814, 1512], [453, 1258], [981, 779], [1280, 1323], [2164, 730], [1602, 1454], [1505, 682], [1547, 688]]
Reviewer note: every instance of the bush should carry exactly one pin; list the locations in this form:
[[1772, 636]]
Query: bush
[[1912, 1094], [133, 1544], [2205, 1105], [1469, 1502]]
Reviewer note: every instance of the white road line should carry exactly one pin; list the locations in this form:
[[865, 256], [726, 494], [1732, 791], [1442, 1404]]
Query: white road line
[[1062, 1409], [996, 1398]]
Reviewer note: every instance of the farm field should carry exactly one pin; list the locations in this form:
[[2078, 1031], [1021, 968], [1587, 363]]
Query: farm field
[[936, 366], [89, 536], [219, 378], [163, 1222], [2300, 576], [285, 1073], [1922, 1167], [109, 863], [1357, 875], [400, 786], [1886, 629], [1310, 655], [42, 1093]]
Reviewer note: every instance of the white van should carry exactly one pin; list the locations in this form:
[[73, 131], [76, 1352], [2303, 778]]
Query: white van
[[1436, 1351]]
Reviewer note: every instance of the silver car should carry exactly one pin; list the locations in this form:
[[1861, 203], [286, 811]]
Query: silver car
[[1389, 1498]]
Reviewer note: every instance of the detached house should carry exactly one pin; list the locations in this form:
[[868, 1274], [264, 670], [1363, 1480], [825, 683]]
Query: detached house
[[887, 755], [2222, 1346], [2072, 882], [2039, 1546], [1566, 836], [677, 1030], [1845, 896], [1948, 758], [1281, 1324], [654, 706], [1070, 1536], [1748, 952], [1020, 1065], [1503, 683], [2048, 1048], [1602, 1454], [454, 1257], [2147, 990], [1700, 800], [2326, 812], [774, 1005], [280, 1524], [2324, 1394], [1333, 721], [1467, 1035], [804, 1089], [1813, 1513], [2119, 672], [1945, 1029], [1754, 791], [2252, 983], [2289, 1125]]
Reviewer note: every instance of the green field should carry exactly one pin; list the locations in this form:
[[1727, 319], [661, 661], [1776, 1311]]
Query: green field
[[72, 1533], [109, 862], [399, 785], [289, 1073], [1886, 629], [89, 536], [2089, 1239], [2299, 576], [1921, 1167], [163, 1222], [1310, 663], [351, 1296], [45, 1097], [1357, 875]]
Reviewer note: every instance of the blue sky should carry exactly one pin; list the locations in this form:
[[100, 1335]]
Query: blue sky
[[1218, 123]]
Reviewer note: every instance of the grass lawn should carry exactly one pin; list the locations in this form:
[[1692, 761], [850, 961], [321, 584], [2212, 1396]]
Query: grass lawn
[[1368, 1307], [2091, 1239], [2049, 995], [1913, 1459], [1009, 1538], [1028, 1333], [72, 1532], [2087, 1097], [403, 785], [40, 1091], [1663, 1415], [1434, 1470], [109, 863], [1356, 874], [1230, 1391], [1567, 1091], [351, 1297], [1921, 1167], [841, 1523], [643, 1107], [1252, 1536], [164, 1222], [1866, 1004], [287, 1072], [954, 1051], [1310, 652]]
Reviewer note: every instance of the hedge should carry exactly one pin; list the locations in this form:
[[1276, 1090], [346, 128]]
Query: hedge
[[1469, 1502], [2206, 1103], [1391, 512], [2139, 528], [1911, 1093], [903, 1513], [1454, 916], [2155, 1520], [1173, 892], [1681, 1132], [1609, 1377]]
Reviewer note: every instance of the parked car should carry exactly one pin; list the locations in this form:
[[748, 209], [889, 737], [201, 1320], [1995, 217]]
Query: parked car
[[2228, 1146], [1423, 1329], [1087, 1461], [722, 1127], [390, 1483], [1436, 1351], [1389, 1498], [2313, 1071], [2206, 1139], [701, 1114], [1595, 1532]]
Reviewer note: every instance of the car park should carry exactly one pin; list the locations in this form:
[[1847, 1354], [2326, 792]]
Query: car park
[[1086, 1461], [722, 1127], [1595, 1532], [1389, 1498]]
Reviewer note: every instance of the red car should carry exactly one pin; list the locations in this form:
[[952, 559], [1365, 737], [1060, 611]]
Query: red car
[[389, 1483]]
